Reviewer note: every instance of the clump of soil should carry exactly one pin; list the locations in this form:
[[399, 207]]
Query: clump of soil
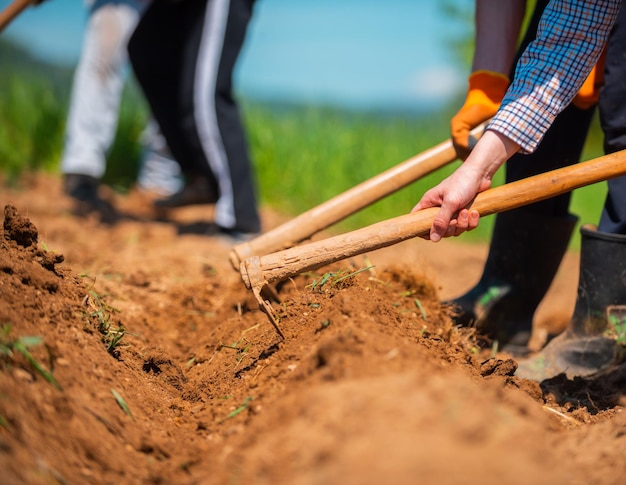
[[153, 364]]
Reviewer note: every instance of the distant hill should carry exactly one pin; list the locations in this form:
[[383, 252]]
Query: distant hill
[[16, 60]]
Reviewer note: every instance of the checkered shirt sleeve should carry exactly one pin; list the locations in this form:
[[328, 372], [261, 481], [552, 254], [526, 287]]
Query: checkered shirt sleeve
[[570, 39]]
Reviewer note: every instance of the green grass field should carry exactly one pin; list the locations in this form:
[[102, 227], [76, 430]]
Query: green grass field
[[303, 156], [306, 156]]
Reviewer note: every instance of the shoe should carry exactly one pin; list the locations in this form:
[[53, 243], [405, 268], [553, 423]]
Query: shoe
[[196, 190], [159, 174], [232, 237], [84, 190]]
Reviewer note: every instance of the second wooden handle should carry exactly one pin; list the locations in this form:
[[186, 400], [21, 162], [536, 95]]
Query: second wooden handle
[[259, 271]]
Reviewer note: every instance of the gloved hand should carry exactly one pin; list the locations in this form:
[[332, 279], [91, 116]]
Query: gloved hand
[[589, 92], [485, 93]]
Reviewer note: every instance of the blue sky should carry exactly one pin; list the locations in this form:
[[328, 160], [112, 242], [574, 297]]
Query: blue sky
[[351, 53]]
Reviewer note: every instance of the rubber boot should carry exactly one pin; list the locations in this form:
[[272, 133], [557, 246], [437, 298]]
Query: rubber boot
[[525, 253], [596, 335]]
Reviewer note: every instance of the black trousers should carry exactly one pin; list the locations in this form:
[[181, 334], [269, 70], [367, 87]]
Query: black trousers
[[183, 54], [612, 105]]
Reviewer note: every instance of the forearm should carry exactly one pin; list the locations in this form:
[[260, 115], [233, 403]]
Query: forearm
[[498, 24], [490, 153]]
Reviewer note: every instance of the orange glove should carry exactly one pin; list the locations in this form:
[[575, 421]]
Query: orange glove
[[486, 90], [590, 90]]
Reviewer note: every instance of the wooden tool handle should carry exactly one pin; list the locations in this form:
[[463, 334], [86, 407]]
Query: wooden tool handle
[[259, 271], [347, 203], [12, 11]]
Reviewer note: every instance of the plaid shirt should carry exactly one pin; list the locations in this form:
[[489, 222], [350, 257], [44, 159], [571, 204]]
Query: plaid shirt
[[570, 39]]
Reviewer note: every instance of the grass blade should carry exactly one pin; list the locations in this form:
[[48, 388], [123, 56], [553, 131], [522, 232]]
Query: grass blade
[[120, 401]]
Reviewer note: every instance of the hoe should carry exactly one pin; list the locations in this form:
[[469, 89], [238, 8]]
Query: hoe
[[262, 269]]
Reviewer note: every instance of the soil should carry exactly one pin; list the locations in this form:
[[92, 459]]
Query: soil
[[372, 383]]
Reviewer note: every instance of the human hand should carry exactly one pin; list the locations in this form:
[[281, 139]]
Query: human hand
[[455, 194], [485, 93]]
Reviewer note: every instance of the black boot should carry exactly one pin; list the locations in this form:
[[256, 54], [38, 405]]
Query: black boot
[[525, 253], [596, 334], [84, 190], [197, 189]]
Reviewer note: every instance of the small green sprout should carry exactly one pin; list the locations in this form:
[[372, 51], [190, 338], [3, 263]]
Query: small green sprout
[[111, 335], [617, 324], [241, 408], [418, 304], [21, 345], [241, 350], [333, 279], [122, 403]]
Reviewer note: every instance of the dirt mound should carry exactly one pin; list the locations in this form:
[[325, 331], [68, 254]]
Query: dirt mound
[[134, 354]]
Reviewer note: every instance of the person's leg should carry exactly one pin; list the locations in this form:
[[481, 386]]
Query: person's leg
[[97, 88], [527, 244], [165, 71], [187, 80], [218, 121], [592, 340], [612, 106], [94, 104]]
